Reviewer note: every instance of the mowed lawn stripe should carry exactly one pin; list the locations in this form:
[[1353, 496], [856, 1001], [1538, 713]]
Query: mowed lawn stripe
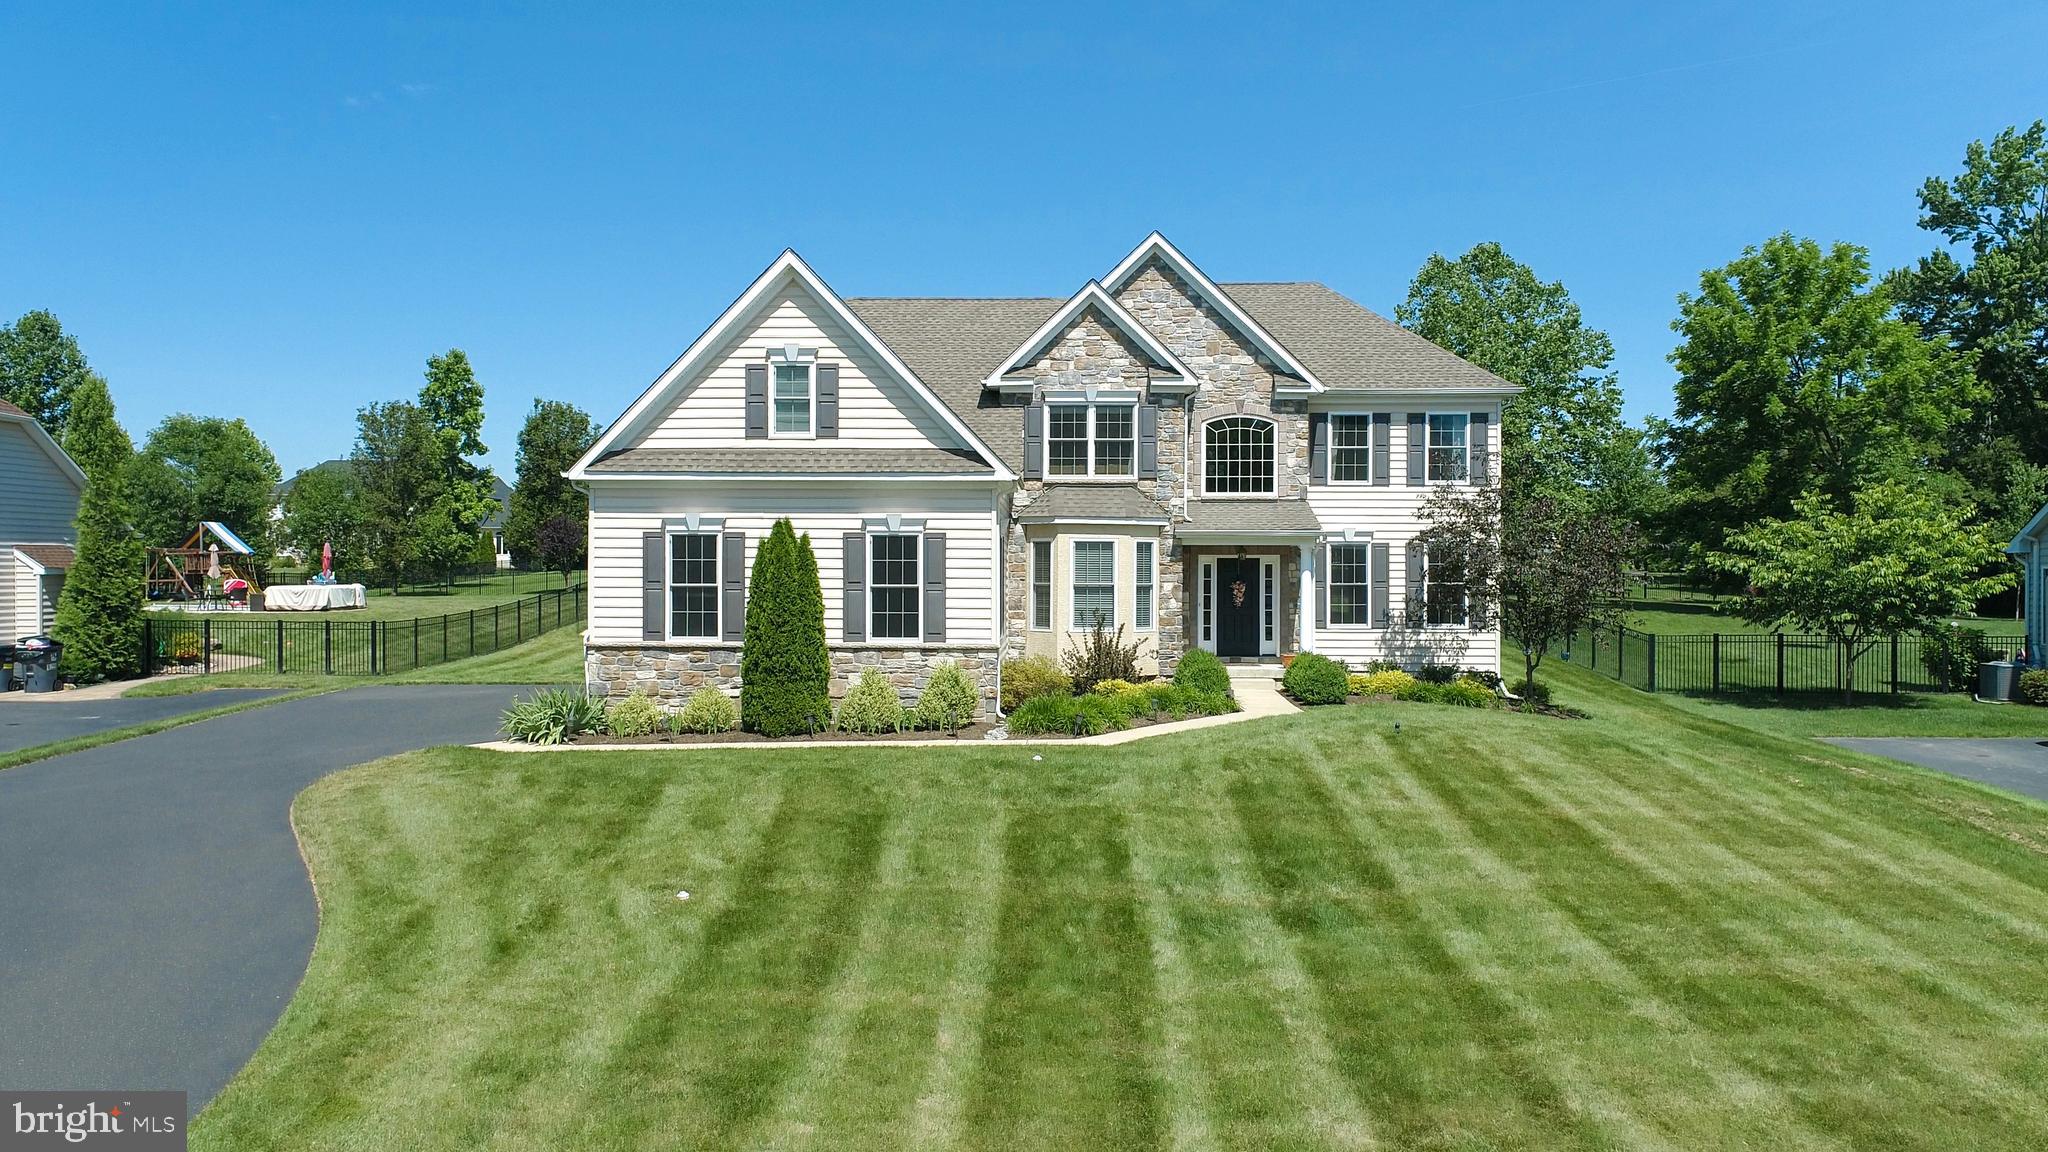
[[964, 986]]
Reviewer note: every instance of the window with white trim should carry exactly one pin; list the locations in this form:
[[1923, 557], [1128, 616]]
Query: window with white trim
[[1094, 578], [1041, 584], [894, 587], [1350, 448], [1443, 586], [1349, 582], [693, 585], [1091, 439], [1237, 455], [1447, 450], [791, 400], [1142, 615]]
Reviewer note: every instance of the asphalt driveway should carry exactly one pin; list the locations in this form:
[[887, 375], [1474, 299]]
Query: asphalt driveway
[[27, 722], [155, 916], [2017, 764]]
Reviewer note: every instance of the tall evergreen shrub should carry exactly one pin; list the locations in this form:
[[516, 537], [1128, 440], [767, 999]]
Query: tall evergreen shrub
[[785, 671], [99, 614]]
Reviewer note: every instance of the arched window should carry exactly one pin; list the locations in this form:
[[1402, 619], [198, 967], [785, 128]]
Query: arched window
[[1237, 455]]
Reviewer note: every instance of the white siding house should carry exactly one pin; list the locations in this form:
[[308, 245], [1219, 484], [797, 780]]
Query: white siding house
[[37, 523], [1233, 467]]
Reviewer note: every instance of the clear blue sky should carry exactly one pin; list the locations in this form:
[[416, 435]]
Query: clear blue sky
[[281, 217]]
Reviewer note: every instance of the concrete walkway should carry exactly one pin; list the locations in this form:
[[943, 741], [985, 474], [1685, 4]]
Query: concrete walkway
[[155, 915], [2018, 764]]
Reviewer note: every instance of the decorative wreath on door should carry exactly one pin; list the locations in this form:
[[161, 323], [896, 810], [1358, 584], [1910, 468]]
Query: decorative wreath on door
[[1237, 590]]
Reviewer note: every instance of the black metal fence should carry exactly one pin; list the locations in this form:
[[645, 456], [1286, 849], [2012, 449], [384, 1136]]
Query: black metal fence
[[289, 642], [1721, 663]]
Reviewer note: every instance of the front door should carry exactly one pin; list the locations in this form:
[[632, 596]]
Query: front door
[[1237, 607]]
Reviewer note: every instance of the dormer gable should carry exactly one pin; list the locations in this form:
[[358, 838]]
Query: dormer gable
[[1291, 375], [1088, 336]]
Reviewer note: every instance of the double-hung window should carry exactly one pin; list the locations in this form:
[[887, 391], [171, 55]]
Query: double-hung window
[[693, 585], [1443, 586], [1094, 584], [1041, 584], [1091, 439], [792, 400], [1350, 584], [1142, 613], [1447, 450], [1350, 448], [893, 586]]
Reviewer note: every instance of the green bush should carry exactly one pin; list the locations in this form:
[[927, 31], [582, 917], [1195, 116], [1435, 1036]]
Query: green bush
[[1201, 671], [1094, 715], [1043, 716], [1316, 679], [1532, 691], [1384, 682], [1032, 677], [708, 712], [1956, 651], [1178, 703], [785, 671], [636, 715], [1460, 691], [1131, 697], [1103, 655], [553, 716], [949, 700], [2033, 686], [871, 706], [1437, 673]]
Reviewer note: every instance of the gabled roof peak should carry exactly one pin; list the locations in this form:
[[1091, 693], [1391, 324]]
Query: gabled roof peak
[[1091, 296], [1157, 246]]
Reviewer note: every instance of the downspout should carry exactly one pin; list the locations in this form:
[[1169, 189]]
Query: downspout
[[1002, 546]]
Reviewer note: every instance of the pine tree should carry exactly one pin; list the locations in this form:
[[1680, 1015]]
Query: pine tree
[[99, 614], [785, 672]]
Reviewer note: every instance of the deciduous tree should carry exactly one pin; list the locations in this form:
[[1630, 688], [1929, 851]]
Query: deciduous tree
[[397, 475], [554, 437], [194, 468], [40, 368], [562, 545], [324, 508], [99, 613]]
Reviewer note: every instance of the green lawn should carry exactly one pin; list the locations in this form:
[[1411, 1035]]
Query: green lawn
[[556, 657], [425, 600], [1685, 611], [1649, 929]]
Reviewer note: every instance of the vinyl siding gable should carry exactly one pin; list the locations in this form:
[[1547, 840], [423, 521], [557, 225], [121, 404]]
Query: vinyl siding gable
[[40, 503]]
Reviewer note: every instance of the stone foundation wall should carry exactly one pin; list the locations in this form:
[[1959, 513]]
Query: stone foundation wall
[[672, 675]]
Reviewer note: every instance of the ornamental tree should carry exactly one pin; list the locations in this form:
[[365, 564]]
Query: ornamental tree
[[554, 437], [561, 544], [1898, 560], [785, 670]]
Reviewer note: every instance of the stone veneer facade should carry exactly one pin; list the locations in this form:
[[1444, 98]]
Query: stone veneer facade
[[672, 673]]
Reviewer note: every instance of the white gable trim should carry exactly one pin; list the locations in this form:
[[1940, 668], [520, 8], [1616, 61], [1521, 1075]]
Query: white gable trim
[[1091, 295], [787, 268], [63, 461], [2024, 542], [1157, 245]]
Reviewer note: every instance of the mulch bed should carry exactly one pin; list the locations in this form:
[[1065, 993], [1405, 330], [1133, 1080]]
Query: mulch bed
[[972, 734], [1554, 711]]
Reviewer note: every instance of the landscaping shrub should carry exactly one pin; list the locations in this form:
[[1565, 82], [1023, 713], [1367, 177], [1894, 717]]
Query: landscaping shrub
[[1956, 651], [1131, 697], [871, 706], [1461, 692], [1103, 655], [2033, 687], [949, 700], [1437, 673], [1043, 715], [185, 648], [1031, 677], [1094, 715], [1316, 679], [1532, 692], [552, 716], [1178, 703], [785, 671], [1201, 671], [707, 712], [636, 715], [1382, 682]]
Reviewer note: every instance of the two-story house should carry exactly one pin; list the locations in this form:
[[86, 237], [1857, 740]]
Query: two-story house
[[1233, 467], [38, 523]]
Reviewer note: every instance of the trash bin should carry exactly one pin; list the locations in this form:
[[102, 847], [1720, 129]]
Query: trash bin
[[35, 661], [6, 667], [1998, 680]]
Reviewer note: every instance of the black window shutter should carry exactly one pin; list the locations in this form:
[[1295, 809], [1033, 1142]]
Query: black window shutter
[[828, 401], [757, 401], [1418, 442], [733, 601], [1481, 449], [653, 587], [935, 587], [1382, 447], [1318, 448], [1382, 611], [853, 602], [1323, 587], [1414, 582], [1148, 442], [1034, 441]]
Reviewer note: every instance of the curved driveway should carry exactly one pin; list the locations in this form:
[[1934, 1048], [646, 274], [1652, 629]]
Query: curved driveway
[[154, 913]]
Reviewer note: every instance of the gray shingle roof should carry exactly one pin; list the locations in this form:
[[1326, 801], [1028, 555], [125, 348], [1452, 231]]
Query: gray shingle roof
[[794, 461], [1348, 346], [1091, 502], [1251, 516]]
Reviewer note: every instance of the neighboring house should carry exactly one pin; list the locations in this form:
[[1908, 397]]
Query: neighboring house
[[1235, 467], [493, 526], [38, 523], [2030, 548]]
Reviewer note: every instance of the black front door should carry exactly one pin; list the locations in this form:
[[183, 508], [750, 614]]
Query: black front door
[[1237, 607]]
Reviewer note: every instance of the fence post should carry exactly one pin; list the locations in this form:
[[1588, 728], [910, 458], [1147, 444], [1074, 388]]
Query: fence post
[[1620, 652], [1717, 663], [1781, 665], [148, 652], [1653, 661], [280, 647], [206, 645], [472, 631], [518, 623], [373, 647], [497, 626], [1895, 663], [327, 647], [415, 645]]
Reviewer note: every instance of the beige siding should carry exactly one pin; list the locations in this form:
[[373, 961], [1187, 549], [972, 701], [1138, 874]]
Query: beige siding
[[37, 500], [1392, 516], [621, 510], [875, 409]]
